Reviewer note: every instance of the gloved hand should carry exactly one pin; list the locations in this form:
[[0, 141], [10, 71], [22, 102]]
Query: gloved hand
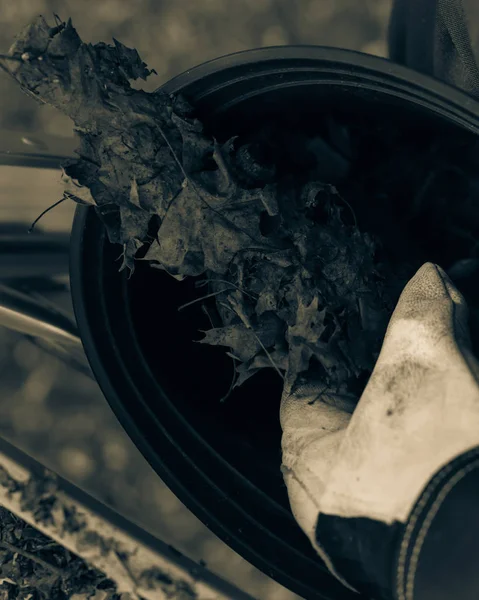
[[368, 465]]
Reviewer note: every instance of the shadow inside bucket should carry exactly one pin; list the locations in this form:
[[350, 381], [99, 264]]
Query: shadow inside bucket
[[393, 155]]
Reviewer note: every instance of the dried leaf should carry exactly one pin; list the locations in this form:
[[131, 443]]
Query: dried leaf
[[246, 370], [241, 340], [80, 192], [201, 233], [245, 342], [308, 328], [254, 211], [134, 195], [34, 567], [267, 301], [129, 62]]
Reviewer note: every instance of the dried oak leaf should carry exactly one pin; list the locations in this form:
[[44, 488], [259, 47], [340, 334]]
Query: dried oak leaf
[[306, 331], [267, 280], [80, 193], [247, 369], [121, 129], [304, 340], [203, 231], [237, 337], [245, 342], [129, 62]]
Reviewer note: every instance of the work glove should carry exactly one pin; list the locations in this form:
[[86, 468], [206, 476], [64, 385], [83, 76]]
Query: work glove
[[355, 472]]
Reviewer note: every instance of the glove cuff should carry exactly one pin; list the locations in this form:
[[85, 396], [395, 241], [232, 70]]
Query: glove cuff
[[439, 551], [433, 555]]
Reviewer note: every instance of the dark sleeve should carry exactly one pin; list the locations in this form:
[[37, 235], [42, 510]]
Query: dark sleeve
[[435, 555], [439, 38]]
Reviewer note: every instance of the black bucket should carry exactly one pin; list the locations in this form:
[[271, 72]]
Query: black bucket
[[223, 459]]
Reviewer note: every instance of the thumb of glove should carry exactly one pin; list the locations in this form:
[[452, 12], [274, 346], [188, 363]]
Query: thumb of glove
[[420, 408]]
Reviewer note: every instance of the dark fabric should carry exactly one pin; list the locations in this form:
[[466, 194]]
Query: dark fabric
[[434, 556], [438, 557], [439, 38], [455, 60], [411, 35], [363, 551]]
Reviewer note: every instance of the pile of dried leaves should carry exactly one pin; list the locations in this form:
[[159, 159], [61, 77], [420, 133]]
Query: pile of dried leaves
[[299, 287], [33, 567]]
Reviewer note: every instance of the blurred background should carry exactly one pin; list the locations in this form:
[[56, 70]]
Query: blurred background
[[60, 416]]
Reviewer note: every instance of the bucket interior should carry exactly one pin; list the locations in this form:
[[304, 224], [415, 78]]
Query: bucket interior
[[245, 428]]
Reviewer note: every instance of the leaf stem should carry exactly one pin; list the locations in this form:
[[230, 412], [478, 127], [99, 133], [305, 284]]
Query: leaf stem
[[233, 381], [65, 197], [248, 326], [202, 298], [351, 209], [205, 310], [205, 281]]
